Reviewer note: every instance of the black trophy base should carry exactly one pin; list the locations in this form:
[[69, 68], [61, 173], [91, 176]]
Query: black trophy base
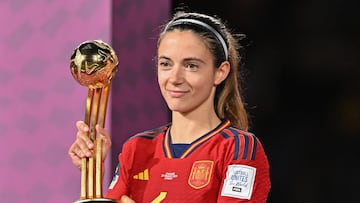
[[96, 200]]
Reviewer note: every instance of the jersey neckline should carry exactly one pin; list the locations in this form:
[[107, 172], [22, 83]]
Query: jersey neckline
[[167, 143]]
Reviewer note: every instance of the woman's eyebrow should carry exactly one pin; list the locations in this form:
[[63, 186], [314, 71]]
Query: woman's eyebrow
[[164, 57], [185, 59], [194, 59]]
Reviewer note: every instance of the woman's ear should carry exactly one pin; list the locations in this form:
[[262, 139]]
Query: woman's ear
[[222, 72]]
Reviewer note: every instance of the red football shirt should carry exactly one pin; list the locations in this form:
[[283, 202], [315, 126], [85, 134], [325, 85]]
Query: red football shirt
[[224, 165]]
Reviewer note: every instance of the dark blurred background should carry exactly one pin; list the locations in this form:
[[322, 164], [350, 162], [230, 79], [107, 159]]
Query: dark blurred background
[[302, 87]]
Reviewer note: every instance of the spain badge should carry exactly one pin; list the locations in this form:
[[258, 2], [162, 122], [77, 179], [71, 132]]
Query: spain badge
[[200, 174]]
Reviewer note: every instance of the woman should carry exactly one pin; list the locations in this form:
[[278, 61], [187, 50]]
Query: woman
[[205, 154]]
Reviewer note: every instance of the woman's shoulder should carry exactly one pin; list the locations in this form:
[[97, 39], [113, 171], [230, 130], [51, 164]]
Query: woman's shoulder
[[232, 131], [245, 144], [150, 134]]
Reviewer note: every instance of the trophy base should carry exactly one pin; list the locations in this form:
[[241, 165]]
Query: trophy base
[[96, 200]]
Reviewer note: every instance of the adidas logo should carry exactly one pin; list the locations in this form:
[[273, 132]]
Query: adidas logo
[[142, 175]]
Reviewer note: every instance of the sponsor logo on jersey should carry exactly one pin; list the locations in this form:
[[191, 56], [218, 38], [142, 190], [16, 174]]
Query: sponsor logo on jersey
[[200, 174], [239, 181], [142, 175], [169, 175]]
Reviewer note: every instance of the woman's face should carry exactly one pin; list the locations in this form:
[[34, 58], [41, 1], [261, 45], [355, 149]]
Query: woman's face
[[186, 75]]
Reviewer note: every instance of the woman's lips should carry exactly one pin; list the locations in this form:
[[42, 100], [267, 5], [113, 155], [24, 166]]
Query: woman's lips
[[176, 93]]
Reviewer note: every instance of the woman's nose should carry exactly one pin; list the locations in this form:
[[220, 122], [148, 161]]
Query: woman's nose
[[177, 75]]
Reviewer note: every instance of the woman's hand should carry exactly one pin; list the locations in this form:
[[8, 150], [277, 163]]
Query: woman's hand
[[83, 146], [126, 199]]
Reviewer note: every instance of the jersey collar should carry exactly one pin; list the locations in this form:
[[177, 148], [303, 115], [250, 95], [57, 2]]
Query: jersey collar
[[167, 140]]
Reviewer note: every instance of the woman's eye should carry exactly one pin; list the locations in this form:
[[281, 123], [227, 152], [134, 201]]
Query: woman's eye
[[192, 67], [164, 64]]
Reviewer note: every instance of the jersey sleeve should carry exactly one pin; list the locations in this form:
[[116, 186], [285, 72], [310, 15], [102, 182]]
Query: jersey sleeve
[[245, 172], [118, 185]]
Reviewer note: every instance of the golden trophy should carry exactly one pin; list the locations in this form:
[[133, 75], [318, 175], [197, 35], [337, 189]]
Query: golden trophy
[[93, 64]]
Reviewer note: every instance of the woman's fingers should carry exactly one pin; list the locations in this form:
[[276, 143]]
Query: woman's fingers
[[75, 158], [105, 136], [83, 139], [81, 125], [126, 199], [83, 146]]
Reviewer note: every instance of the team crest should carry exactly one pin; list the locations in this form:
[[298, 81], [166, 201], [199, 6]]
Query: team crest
[[200, 174]]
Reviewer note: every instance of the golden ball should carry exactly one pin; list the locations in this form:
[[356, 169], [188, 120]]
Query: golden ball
[[93, 64]]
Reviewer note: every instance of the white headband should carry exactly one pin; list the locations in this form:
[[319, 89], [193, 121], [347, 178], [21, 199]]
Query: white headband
[[198, 22]]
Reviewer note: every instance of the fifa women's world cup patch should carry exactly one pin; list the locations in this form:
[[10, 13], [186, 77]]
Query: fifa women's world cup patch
[[239, 181], [200, 174]]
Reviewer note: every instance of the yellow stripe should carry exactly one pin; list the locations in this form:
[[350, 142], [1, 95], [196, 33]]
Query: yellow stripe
[[159, 198], [146, 174], [167, 147]]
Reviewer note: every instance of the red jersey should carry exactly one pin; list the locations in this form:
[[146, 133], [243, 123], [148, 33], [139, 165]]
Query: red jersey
[[224, 165]]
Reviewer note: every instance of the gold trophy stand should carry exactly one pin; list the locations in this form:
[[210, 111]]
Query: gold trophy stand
[[93, 64]]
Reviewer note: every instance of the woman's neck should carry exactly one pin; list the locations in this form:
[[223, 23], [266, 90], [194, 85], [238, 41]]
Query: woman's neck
[[187, 128]]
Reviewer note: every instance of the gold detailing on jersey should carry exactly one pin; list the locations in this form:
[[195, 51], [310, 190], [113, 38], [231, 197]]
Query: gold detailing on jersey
[[160, 198], [200, 174], [142, 175]]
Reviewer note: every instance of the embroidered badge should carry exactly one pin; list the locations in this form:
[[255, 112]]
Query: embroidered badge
[[200, 174], [239, 181]]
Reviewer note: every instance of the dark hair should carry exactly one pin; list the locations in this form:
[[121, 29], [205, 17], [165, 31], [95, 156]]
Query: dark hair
[[228, 102]]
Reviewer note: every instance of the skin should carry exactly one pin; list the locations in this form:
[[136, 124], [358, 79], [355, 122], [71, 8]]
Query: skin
[[187, 79]]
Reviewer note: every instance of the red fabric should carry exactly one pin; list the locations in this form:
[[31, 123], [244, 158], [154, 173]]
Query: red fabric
[[147, 170]]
